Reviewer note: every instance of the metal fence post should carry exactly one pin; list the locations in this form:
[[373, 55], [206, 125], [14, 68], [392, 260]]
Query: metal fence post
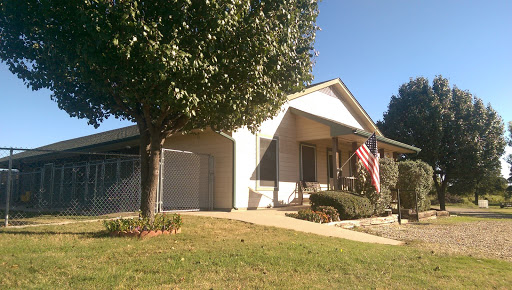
[[417, 212], [399, 210], [159, 199], [211, 180], [8, 191]]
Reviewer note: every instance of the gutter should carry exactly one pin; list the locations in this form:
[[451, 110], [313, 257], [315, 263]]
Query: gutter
[[233, 205], [387, 140]]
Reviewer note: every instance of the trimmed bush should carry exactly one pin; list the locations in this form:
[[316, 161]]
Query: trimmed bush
[[349, 206], [388, 178], [415, 177]]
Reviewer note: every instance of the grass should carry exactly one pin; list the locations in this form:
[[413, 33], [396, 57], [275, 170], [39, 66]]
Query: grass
[[23, 218], [217, 253], [461, 219]]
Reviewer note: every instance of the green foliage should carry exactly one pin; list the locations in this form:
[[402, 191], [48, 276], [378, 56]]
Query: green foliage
[[415, 177], [388, 179], [348, 205], [308, 215], [323, 214], [452, 127], [508, 192], [509, 157], [161, 222], [169, 66], [330, 211]]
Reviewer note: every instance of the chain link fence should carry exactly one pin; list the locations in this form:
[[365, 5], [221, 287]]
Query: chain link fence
[[186, 181], [42, 186]]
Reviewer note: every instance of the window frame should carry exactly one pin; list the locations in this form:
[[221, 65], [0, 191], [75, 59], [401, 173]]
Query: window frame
[[301, 175], [258, 160]]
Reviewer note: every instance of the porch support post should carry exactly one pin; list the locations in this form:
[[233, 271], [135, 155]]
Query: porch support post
[[335, 163], [353, 162], [381, 153]]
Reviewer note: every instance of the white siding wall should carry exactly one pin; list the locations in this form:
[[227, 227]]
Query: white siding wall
[[209, 142], [330, 107], [283, 127]]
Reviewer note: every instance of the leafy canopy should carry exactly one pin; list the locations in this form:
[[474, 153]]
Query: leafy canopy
[[220, 63], [460, 137]]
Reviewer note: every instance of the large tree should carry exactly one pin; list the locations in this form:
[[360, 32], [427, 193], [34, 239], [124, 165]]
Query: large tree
[[167, 65], [460, 137]]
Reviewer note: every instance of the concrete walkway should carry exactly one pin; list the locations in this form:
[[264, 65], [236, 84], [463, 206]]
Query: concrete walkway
[[275, 217]]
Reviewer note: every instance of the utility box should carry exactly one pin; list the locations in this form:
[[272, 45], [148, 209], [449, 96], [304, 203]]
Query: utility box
[[483, 203]]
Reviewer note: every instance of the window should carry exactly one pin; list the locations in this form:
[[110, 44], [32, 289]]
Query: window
[[268, 163], [308, 162]]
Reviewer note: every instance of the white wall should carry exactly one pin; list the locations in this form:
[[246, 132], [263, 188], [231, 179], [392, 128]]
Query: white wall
[[327, 106]]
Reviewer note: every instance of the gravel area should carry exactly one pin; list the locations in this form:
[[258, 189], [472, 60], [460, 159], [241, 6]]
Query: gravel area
[[486, 239]]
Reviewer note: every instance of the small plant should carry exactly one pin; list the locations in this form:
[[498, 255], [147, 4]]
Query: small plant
[[331, 213], [162, 223], [324, 214]]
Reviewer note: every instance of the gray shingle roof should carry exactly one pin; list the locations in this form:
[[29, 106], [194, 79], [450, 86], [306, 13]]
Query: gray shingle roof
[[83, 143]]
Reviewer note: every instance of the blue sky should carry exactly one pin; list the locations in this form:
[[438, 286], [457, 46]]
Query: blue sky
[[373, 46]]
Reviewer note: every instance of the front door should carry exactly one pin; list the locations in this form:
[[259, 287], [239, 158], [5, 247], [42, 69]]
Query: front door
[[307, 162]]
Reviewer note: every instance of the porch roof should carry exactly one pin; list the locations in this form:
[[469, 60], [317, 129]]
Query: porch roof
[[338, 129]]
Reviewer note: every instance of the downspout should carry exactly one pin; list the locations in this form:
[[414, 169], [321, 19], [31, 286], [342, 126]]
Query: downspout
[[233, 205]]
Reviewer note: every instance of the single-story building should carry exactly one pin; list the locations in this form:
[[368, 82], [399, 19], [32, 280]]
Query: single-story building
[[263, 169]]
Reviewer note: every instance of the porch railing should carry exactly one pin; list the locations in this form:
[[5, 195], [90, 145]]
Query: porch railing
[[347, 183]]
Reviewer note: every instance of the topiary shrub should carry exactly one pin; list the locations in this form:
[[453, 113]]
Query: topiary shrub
[[415, 177], [388, 178], [348, 205]]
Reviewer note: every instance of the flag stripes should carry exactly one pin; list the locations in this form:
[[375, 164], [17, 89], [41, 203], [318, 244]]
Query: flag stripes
[[368, 154]]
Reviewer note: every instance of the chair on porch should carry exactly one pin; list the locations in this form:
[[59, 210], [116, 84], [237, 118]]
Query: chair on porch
[[307, 187]]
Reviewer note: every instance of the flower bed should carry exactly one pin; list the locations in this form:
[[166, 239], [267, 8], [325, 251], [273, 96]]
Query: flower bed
[[324, 214], [143, 228]]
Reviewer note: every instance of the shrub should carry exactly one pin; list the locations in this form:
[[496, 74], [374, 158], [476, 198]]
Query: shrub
[[349, 206], [451, 198], [388, 178], [415, 177], [330, 211], [309, 215], [324, 214], [161, 222]]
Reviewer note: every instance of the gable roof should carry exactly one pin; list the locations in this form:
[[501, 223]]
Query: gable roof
[[347, 96]]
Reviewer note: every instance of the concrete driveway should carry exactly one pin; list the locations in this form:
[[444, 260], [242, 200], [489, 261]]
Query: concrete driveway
[[275, 217]]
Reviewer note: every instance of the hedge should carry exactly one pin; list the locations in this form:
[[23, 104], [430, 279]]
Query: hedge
[[415, 177], [388, 178], [348, 205]]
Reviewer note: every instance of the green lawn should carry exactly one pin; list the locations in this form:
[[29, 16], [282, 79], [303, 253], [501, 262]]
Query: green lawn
[[216, 253]]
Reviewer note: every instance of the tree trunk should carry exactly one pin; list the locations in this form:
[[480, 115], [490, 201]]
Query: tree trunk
[[441, 191], [476, 196], [150, 150]]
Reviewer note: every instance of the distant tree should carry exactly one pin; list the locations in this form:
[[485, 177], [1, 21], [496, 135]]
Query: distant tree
[[166, 65], [509, 157], [460, 137]]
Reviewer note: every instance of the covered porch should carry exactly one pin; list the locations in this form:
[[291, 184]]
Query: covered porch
[[319, 137]]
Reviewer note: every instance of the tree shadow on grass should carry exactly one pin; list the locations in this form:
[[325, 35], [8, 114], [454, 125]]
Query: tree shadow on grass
[[87, 235], [480, 214]]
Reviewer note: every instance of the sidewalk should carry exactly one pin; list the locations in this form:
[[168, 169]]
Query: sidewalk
[[275, 217]]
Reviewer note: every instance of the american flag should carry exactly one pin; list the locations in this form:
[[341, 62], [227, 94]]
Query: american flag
[[368, 154]]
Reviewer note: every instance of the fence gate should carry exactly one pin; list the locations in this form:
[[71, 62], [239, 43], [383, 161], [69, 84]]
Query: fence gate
[[186, 181]]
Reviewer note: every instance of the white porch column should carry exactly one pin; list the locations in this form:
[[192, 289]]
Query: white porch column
[[335, 162]]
